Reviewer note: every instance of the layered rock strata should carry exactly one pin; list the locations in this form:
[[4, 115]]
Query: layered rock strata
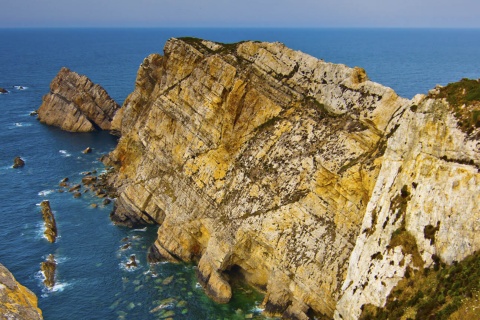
[[76, 104], [257, 159], [49, 221], [16, 301]]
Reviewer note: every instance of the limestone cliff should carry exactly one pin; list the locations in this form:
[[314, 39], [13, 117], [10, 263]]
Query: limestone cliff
[[257, 159], [76, 104], [16, 301]]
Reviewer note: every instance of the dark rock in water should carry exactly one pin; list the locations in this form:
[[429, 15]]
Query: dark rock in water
[[132, 263], [18, 162], [106, 201], [76, 104], [65, 179], [2, 90], [48, 268], [88, 180], [126, 246], [75, 188], [49, 220], [87, 150], [16, 301], [34, 113], [77, 195], [63, 184]]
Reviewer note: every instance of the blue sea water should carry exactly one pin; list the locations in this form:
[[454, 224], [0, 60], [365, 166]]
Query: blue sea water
[[92, 280]]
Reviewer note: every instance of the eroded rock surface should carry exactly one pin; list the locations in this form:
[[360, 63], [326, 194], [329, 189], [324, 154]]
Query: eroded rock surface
[[16, 301], [49, 221], [258, 159], [48, 268], [77, 104]]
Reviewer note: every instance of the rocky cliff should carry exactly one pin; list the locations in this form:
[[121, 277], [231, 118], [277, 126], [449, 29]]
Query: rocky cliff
[[76, 104], [303, 176], [16, 301]]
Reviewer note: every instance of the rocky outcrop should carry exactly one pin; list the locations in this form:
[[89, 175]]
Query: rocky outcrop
[[297, 173], [16, 301], [49, 221], [2, 90], [77, 104], [18, 162], [48, 268]]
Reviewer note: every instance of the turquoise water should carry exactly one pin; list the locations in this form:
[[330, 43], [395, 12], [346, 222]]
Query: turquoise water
[[93, 282]]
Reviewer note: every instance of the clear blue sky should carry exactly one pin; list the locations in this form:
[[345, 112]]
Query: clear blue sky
[[240, 13]]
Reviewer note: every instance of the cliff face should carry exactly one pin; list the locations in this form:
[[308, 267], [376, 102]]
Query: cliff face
[[16, 301], [76, 104], [260, 160]]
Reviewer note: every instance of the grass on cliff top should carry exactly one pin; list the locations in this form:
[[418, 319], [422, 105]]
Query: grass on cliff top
[[442, 292], [464, 98]]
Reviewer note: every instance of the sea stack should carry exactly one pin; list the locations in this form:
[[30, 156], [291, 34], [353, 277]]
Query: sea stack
[[76, 104], [49, 220], [48, 268], [298, 174]]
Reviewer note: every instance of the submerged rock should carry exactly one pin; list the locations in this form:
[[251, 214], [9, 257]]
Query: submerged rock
[[16, 301], [76, 104], [132, 263], [48, 268], [18, 162], [49, 221]]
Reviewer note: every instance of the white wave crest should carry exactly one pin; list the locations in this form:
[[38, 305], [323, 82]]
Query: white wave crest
[[64, 153], [45, 193]]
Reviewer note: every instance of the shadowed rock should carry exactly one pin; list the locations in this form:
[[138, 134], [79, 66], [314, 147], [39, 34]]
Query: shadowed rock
[[76, 104], [48, 268], [18, 162], [49, 220]]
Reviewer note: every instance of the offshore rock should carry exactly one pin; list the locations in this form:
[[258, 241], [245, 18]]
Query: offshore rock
[[76, 104], [48, 268], [49, 221], [2, 90], [18, 162], [16, 301], [257, 159]]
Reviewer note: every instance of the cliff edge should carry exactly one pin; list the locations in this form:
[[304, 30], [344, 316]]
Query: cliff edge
[[303, 176], [16, 301]]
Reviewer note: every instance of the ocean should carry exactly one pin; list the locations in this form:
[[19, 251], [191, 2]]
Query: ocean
[[92, 281]]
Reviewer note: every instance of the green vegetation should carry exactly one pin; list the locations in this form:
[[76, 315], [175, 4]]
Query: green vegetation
[[464, 98], [444, 292]]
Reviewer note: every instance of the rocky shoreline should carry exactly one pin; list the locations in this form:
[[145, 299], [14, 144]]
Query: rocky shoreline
[[321, 187]]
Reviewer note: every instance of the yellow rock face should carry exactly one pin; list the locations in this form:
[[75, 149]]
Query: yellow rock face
[[16, 301], [258, 159]]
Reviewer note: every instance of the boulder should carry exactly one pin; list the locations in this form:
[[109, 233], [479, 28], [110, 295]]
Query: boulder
[[76, 104], [18, 162], [49, 221], [48, 268], [132, 263], [88, 180], [87, 150], [2, 90], [16, 301]]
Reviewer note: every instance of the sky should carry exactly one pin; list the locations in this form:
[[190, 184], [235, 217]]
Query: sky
[[241, 13]]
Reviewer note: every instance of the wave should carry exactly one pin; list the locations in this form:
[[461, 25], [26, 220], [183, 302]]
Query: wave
[[45, 193], [20, 87], [64, 153], [140, 230]]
